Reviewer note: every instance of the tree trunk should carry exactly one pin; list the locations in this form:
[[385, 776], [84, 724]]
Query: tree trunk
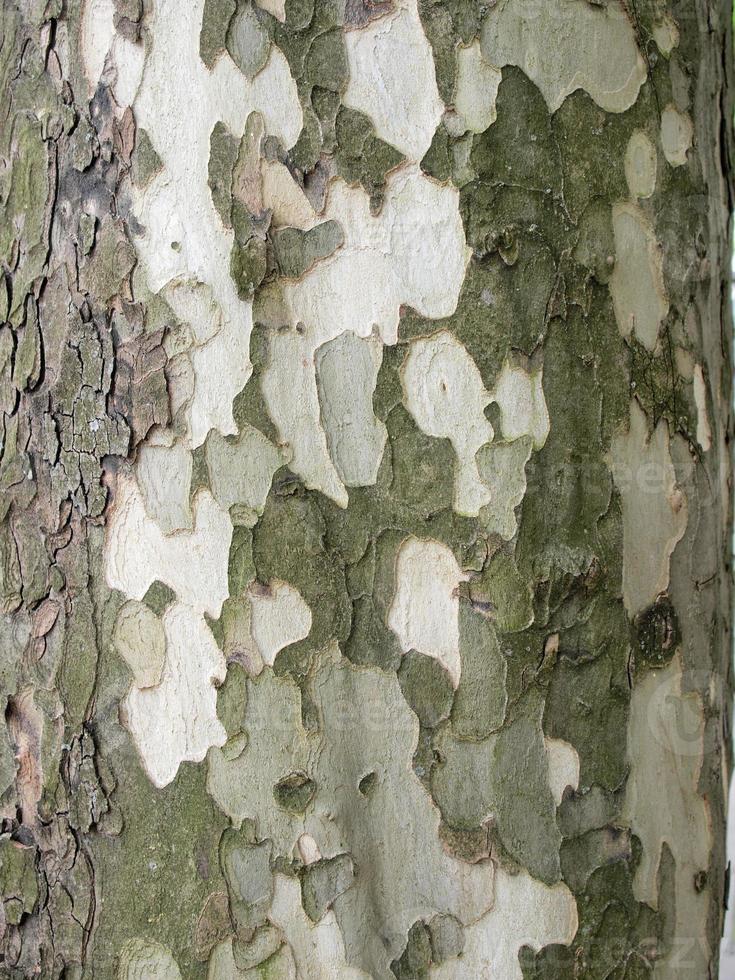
[[365, 379]]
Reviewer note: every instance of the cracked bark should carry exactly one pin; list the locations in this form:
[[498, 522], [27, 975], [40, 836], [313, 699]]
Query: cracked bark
[[537, 643]]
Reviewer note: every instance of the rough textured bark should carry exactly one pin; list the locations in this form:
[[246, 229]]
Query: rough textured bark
[[365, 379]]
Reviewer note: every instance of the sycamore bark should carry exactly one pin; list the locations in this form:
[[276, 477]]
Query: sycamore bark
[[365, 563]]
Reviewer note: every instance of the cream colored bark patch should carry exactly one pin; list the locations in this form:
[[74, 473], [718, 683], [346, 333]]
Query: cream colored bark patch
[[662, 805], [654, 509], [403, 104], [568, 45], [275, 7], [666, 34], [241, 470], [640, 165], [222, 965], [276, 746], [520, 398], [412, 253], [140, 640], [318, 947], [164, 478], [637, 281], [563, 767], [278, 616], [347, 371], [424, 614], [194, 304], [308, 849], [286, 199], [218, 353], [108, 55], [526, 913], [502, 468], [145, 959], [476, 89], [704, 432], [290, 394], [98, 32], [443, 391], [221, 369], [192, 563], [677, 131], [179, 102], [391, 829], [177, 721]]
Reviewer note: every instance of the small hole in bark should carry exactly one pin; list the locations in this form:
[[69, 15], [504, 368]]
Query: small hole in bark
[[294, 792], [368, 783]]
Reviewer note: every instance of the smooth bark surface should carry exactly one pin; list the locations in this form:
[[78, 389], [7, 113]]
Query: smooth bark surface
[[365, 464]]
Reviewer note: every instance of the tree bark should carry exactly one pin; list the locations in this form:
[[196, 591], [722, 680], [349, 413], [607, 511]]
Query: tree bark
[[366, 488]]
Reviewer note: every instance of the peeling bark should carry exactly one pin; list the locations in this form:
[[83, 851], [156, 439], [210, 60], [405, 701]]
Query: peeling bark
[[365, 528]]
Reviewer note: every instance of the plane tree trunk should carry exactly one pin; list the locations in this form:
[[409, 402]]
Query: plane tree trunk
[[365, 517]]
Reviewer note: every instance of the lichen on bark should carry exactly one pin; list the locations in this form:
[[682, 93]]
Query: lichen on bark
[[365, 521]]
